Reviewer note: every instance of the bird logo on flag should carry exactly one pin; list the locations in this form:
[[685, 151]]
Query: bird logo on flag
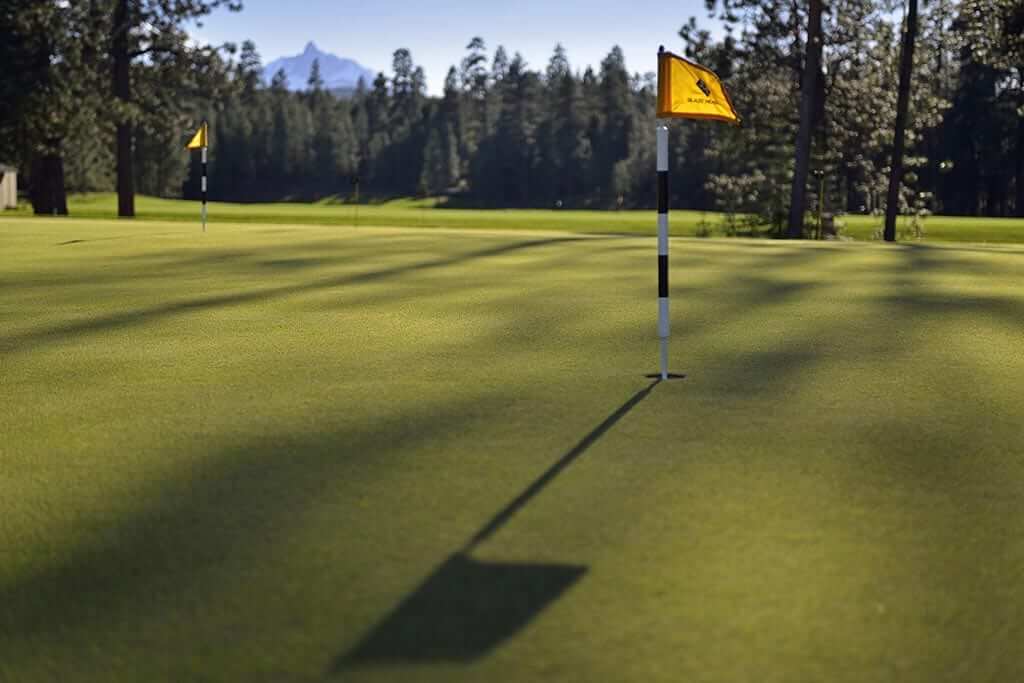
[[687, 90]]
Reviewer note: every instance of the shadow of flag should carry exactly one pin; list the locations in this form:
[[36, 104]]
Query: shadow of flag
[[464, 609]]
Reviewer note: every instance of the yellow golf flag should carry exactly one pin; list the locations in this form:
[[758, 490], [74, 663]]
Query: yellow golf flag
[[690, 91], [200, 139]]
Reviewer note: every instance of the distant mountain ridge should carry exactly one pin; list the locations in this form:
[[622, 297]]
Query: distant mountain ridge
[[339, 74]]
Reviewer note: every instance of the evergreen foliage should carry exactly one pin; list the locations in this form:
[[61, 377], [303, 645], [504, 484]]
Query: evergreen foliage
[[503, 133]]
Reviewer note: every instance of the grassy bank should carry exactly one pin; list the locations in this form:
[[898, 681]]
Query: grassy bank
[[427, 214]]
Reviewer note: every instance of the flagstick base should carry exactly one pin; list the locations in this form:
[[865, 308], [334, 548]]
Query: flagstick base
[[664, 375], [664, 358]]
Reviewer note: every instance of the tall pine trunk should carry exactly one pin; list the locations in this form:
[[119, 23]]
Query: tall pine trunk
[[122, 88], [902, 105], [49, 198], [808, 95], [1020, 166]]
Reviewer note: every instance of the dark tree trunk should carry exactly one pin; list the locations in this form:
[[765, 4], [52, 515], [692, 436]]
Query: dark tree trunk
[[997, 194], [809, 92], [1020, 167], [853, 199], [902, 104], [48, 195], [122, 87]]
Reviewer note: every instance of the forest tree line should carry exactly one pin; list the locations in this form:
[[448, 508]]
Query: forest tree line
[[105, 93]]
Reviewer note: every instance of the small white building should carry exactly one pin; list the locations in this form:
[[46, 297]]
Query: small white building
[[8, 187]]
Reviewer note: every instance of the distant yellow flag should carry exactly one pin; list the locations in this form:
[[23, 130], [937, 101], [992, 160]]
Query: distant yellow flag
[[200, 139], [690, 91]]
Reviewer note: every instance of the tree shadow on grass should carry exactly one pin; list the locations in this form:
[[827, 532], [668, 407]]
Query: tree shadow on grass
[[266, 262], [974, 261], [919, 300], [467, 607], [67, 331], [145, 562]]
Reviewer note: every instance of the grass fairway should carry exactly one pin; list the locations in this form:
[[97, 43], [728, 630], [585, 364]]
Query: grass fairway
[[426, 213], [280, 453]]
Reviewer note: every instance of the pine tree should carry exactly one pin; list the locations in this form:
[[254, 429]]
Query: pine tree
[[315, 83], [49, 93], [992, 32], [475, 122], [809, 105], [617, 125], [279, 139], [902, 106], [432, 177], [450, 121], [153, 29]]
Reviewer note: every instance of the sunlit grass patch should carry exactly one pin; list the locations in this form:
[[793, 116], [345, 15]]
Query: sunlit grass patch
[[278, 451]]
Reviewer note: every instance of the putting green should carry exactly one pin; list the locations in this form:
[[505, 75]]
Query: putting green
[[298, 453]]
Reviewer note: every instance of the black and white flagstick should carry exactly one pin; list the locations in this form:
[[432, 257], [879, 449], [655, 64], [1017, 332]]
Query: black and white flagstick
[[663, 325], [206, 141]]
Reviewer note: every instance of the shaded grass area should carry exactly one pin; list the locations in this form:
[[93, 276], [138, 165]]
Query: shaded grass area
[[428, 213], [280, 453], [398, 213]]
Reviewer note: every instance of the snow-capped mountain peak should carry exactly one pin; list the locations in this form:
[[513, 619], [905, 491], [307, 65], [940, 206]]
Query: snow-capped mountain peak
[[338, 73]]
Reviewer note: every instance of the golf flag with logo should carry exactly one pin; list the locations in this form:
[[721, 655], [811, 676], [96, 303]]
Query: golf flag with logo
[[687, 90], [200, 139]]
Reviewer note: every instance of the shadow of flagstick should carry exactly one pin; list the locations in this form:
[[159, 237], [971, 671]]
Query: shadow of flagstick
[[520, 501], [467, 607]]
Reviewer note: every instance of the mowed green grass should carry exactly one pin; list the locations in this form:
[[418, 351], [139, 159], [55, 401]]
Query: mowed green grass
[[427, 213], [259, 455]]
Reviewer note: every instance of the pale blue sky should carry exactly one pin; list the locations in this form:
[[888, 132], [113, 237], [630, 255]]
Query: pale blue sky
[[437, 31]]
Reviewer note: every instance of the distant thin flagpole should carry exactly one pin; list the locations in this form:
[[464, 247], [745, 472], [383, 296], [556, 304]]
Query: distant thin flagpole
[[356, 183], [206, 141]]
